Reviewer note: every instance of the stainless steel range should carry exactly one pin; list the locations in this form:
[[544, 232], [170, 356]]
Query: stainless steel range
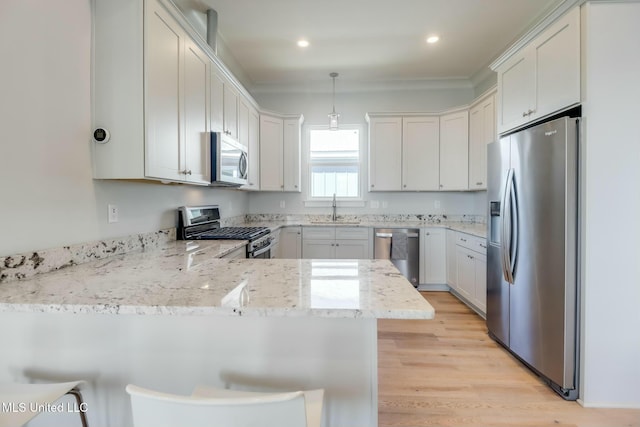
[[203, 223]]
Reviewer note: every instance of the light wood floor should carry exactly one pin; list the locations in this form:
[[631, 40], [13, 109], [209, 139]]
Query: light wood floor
[[448, 372]]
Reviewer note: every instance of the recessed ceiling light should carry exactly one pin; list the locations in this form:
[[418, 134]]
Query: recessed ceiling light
[[303, 43], [433, 39]]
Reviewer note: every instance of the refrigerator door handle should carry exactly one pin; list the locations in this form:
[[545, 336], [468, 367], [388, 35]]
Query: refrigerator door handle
[[513, 219], [505, 237]]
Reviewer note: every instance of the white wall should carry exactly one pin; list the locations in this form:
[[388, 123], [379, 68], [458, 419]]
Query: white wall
[[48, 197], [352, 107], [611, 255]]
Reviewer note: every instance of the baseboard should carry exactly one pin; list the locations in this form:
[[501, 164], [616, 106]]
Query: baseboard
[[609, 405], [433, 287]]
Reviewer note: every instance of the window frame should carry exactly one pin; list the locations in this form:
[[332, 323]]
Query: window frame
[[322, 201]]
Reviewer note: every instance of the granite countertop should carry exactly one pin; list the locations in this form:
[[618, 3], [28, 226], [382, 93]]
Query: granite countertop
[[186, 278]]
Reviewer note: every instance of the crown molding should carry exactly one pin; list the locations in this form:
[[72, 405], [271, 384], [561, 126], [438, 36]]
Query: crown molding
[[346, 86]]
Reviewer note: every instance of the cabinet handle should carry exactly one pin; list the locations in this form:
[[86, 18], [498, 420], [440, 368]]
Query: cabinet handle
[[483, 246], [478, 183], [469, 256], [463, 240], [524, 114], [189, 172]]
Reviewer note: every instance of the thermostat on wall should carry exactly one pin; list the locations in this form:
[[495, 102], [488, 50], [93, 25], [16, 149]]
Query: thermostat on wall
[[101, 135]]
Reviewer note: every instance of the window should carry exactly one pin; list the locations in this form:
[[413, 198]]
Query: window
[[334, 163]]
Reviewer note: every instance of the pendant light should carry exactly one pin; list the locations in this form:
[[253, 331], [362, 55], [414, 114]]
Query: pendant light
[[333, 117]]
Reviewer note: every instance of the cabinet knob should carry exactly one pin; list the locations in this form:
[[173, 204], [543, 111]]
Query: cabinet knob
[[405, 186], [295, 186], [428, 234], [372, 185], [282, 186], [441, 185]]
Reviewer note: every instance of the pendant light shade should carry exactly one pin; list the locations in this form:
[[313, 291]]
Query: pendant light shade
[[333, 117]]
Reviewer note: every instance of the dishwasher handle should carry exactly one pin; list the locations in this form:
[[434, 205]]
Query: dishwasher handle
[[388, 235]]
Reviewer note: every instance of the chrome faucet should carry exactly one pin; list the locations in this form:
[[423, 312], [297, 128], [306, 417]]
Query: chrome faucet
[[334, 217]]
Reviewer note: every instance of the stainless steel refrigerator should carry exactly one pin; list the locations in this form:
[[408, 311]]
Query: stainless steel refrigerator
[[533, 247]]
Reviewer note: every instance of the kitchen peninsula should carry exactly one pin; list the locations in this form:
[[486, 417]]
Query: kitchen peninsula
[[174, 317]]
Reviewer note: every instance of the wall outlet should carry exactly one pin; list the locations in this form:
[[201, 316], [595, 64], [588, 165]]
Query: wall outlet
[[282, 204], [436, 204], [385, 204], [113, 213], [374, 204]]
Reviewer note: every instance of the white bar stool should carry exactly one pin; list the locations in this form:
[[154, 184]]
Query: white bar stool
[[229, 408], [22, 402]]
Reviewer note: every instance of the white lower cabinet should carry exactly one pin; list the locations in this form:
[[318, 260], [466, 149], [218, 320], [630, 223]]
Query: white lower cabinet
[[434, 265], [290, 243], [452, 269], [471, 270], [336, 243]]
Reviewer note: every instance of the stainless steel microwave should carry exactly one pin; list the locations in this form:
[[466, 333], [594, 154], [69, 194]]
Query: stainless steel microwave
[[228, 161]]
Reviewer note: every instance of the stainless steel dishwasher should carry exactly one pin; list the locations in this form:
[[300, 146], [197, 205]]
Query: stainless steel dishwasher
[[402, 247]]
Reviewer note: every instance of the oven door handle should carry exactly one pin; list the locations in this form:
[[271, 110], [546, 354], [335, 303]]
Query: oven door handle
[[262, 250]]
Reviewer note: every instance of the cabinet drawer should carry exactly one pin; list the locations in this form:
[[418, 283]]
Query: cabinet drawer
[[352, 233], [319, 233], [474, 243]]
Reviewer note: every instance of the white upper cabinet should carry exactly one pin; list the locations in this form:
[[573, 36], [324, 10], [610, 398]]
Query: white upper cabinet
[[164, 81], [217, 101], [420, 153], [280, 153], [196, 115], [543, 77], [177, 113], [271, 153], [231, 103], [253, 181], [291, 153], [482, 131], [454, 151], [385, 153]]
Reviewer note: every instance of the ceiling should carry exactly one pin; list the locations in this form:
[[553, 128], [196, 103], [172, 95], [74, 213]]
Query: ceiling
[[368, 40]]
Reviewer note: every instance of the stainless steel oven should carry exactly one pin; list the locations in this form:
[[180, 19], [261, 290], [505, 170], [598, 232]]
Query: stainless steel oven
[[203, 223], [261, 247]]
